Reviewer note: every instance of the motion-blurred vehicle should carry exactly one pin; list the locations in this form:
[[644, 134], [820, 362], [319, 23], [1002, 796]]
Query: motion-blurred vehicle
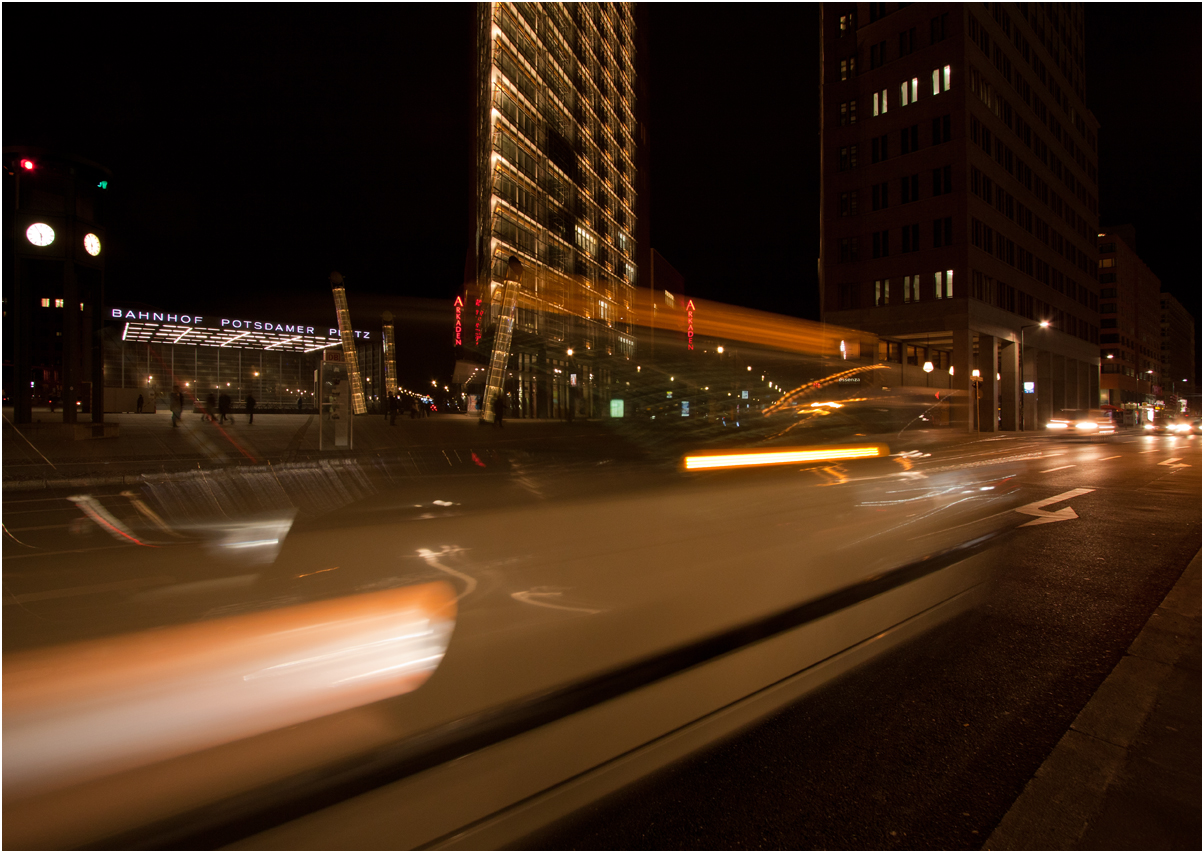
[[1081, 423], [1169, 425]]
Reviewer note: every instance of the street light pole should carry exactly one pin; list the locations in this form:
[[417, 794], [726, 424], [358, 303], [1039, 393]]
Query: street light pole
[[1043, 324]]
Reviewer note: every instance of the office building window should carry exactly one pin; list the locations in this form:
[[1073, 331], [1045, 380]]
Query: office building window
[[942, 129], [848, 157], [880, 103], [941, 80], [878, 195], [881, 244], [58, 303], [848, 249], [911, 238], [45, 302], [848, 203], [1107, 278], [882, 291], [909, 189], [942, 232], [877, 10], [848, 23], [1104, 263], [848, 68], [942, 180], [944, 284], [907, 41], [909, 139], [848, 113], [848, 297], [877, 54], [938, 28], [908, 90], [911, 292], [878, 149]]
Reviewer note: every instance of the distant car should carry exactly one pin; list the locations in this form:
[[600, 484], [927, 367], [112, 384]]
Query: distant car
[[1195, 427], [1162, 425], [1083, 423]]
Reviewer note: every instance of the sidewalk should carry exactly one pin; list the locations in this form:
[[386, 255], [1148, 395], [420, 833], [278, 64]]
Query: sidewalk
[[1126, 776], [148, 444]]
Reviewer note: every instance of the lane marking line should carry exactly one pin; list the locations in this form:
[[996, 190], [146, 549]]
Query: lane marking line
[[1060, 468], [1106, 458]]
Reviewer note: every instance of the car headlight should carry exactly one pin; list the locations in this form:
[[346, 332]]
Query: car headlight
[[1057, 425], [1149, 426], [1086, 426]]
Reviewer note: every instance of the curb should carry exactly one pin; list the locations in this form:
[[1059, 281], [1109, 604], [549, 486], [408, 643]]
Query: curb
[[1068, 792]]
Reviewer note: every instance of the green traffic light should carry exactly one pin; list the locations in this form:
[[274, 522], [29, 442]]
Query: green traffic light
[[104, 185]]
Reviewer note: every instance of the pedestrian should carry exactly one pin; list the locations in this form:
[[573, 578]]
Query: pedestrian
[[223, 407], [250, 409], [210, 405], [177, 406], [300, 403], [138, 405], [499, 410]]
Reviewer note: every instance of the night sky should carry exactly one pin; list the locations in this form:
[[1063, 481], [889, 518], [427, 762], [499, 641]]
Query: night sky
[[256, 148]]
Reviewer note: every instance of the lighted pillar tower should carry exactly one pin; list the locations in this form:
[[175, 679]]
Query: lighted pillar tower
[[345, 332], [496, 377], [390, 354]]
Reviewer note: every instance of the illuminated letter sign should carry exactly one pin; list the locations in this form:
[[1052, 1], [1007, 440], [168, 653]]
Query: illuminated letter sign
[[690, 324], [478, 339], [459, 309]]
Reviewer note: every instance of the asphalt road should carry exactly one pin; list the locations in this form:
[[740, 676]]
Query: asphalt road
[[928, 747], [924, 748]]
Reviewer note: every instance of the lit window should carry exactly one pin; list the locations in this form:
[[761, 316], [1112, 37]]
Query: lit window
[[944, 284], [880, 102], [915, 88], [58, 303], [45, 302], [882, 291], [908, 91], [911, 288], [940, 80]]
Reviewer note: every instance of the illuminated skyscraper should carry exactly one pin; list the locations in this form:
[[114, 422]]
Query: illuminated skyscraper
[[555, 187], [960, 200]]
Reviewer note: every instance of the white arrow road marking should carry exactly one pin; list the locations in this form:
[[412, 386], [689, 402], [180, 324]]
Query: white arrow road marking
[[1171, 462], [1044, 516]]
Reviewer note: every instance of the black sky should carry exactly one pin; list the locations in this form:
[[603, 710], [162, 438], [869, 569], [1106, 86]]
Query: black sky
[[256, 148]]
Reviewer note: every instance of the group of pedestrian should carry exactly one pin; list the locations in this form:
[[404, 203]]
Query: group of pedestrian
[[222, 404]]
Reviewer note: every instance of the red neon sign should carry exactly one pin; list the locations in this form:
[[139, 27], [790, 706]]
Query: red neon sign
[[478, 340], [690, 324], [459, 309]]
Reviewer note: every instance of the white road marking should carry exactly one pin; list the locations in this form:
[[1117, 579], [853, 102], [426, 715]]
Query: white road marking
[[1173, 462], [1044, 516], [530, 596], [1060, 468], [432, 558], [1106, 458]]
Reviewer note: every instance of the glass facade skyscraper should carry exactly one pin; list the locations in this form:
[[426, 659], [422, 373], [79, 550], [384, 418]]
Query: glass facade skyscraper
[[555, 187]]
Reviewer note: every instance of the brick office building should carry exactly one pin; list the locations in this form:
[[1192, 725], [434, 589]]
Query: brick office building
[[960, 200]]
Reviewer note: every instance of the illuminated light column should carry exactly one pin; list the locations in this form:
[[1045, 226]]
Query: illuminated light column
[[496, 377], [390, 354], [348, 337]]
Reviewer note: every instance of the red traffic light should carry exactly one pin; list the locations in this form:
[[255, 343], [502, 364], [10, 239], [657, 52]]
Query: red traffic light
[[27, 164]]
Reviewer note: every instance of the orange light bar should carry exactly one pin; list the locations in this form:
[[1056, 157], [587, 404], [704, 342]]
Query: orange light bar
[[783, 457]]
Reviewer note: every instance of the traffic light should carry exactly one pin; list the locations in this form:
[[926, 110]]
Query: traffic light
[[27, 164]]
